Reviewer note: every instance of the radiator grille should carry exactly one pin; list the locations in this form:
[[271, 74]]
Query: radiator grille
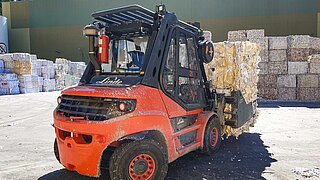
[[91, 108]]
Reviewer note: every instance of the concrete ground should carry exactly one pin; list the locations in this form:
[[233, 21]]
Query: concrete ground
[[285, 138]]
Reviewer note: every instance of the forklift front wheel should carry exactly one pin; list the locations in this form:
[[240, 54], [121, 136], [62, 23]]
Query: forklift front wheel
[[55, 150], [142, 159], [212, 138]]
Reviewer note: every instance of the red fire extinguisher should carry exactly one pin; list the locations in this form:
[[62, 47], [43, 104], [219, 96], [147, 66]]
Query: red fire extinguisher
[[103, 49]]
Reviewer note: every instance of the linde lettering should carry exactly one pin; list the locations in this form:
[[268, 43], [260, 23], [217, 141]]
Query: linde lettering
[[109, 81]]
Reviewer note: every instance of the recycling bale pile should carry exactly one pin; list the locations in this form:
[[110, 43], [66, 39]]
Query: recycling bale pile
[[235, 68], [25, 73], [290, 70]]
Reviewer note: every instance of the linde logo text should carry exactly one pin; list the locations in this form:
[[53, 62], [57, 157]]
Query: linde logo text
[[108, 80]]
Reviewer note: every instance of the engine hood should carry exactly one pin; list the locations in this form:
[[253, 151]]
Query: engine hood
[[131, 92]]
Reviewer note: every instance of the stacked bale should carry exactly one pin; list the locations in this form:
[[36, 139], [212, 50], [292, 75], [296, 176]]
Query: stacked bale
[[36, 75], [9, 84], [292, 70], [68, 73], [62, 70], [8, 62], [49, 85], [255, 36], [47, 73], [278, 69], [22, 64], [235, 68], [1, 66], [28, 84]]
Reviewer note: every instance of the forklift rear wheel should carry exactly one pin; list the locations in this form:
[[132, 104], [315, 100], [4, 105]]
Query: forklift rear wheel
[[212, 138], [55, 150], [144, 159]]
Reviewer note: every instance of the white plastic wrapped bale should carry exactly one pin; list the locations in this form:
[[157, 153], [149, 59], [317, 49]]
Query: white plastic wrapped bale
[[36, 67], [77, 68], [40, 82], [47, 69], [71, 80], [62, 70], [235, 68], [8, 77], [60, 81], [49, 85], [21, 57], [8, 62], [9, 84], [29, 84], [1, 66], [63, 65], [45, 72]]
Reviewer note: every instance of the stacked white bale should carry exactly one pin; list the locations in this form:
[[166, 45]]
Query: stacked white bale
[[40, 74], [47, 69], [240, 35], [235, 68], [40, 83], [68, 73], [9, 84], [1, 66], [36, 67], [8, 62], [77, 68], [49, 85], [47, 76], [76, 71], [29, 84], [62, 69]]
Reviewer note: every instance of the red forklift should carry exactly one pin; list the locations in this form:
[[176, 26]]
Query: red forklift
[[144, 99]]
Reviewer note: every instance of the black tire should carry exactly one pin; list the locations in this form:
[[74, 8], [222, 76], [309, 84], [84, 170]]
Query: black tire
[[212, 137], [145, 157], [56, 150]]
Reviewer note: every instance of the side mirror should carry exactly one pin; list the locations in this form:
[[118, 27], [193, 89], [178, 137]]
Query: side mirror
[[206, 51]]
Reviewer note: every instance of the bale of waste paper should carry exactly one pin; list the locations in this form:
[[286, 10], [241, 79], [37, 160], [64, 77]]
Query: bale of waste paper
[[29, 84], [9, 84], [1, 66], [235, 68]]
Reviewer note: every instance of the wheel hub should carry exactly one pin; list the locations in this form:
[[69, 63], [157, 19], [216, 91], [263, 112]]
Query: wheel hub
[[214, 137], [142, 167]]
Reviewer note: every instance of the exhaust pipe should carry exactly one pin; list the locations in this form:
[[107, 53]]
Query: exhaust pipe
[[91, 32]]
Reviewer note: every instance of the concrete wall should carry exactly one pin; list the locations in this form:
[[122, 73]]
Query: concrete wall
[[55, 26]]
